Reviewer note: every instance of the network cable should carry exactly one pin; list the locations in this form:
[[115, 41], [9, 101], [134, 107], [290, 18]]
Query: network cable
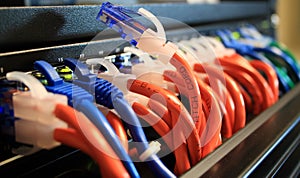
[[240, 110], [247, 82], [284, 80], [144, 38], [181, 155], [85, 136], [234, 63], [83, 101], [238, 63], [118, 127], [42, 128], [251, 32], [228, 109], [225, 101], [270, 74], [114, 99], [210, 137], [181, 120], [277, 56]]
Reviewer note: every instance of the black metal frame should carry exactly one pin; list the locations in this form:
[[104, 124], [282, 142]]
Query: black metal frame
[[22, 60], [35, 27]]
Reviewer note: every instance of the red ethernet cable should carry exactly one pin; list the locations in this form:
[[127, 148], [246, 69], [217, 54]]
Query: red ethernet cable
[[210, 136], [118, 127], [247, 99], [251, 87], [194, 96], [227, 107], [271, 76], [84, 135], [181, 121], [161, 111], [181, 154], [236, 62], [233, 88]]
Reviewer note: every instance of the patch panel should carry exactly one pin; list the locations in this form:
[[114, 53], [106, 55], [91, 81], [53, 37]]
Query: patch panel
[[9, 148], [8, 145]]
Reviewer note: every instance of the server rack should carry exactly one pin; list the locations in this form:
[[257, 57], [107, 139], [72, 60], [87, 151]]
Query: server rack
[[268, 145]]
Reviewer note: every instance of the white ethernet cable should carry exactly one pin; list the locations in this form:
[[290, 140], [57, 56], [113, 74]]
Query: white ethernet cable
[[35, 110]]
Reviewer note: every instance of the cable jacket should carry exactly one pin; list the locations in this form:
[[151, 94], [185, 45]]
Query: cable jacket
[[84, 135], [133, 124], [99, 120]]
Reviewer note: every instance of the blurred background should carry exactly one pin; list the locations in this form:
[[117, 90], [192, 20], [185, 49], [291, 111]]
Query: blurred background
[[289, 24]]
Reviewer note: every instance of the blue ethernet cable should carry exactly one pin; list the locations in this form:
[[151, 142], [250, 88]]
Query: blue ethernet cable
[[83, 101], [284, 59], [278, 57], [99, 88], [113, 98], [288, 61], [254, 34], [247, 50], [117, 18], [244, 34]]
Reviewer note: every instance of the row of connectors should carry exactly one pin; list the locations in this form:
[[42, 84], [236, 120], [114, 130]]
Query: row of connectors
[[8, 88], [122, 61], [8, 146]]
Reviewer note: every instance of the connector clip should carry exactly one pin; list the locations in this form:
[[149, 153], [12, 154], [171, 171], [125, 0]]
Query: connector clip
[[101, 89], [57, 85], [154, 43], [120, 19], [35, 110]]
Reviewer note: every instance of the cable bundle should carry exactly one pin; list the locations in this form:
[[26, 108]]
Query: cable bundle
[[258, 48], [247, 88], [82, 134], [42, 127], [194, 105]]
